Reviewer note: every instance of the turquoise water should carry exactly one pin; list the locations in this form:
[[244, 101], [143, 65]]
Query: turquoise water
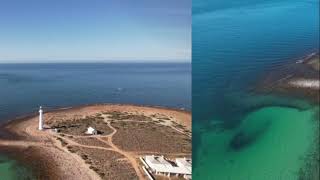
[[12, 170], [237, 133], [273, 145], [24, 87]]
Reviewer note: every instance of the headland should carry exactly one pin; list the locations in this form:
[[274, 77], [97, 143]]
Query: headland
[[299, 79], [122, 134]]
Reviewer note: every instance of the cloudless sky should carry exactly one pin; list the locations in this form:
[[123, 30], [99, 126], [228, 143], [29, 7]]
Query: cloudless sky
[[95, 30]]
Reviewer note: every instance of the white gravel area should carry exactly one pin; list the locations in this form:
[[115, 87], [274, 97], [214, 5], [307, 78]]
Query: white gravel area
[[305, 83]]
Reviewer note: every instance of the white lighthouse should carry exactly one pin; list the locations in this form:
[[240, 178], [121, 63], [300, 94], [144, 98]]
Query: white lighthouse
[[40, 119]]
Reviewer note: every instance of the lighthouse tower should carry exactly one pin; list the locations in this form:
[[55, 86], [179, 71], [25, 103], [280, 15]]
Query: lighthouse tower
[[40, 119]]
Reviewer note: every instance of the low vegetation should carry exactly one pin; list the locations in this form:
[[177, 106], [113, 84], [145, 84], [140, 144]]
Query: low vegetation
[[116, 115], [132, 136], [63, 142], [108, 164], [91, 141], [78, 127], [315, 63]]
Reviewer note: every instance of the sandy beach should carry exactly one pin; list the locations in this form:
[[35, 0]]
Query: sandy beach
[[70, 154]]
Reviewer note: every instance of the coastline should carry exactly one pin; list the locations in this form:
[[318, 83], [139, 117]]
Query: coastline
[[57, 109], [21, 141], [298, 78], [5, 134]]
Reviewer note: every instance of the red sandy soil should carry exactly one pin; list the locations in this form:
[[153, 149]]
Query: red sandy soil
[[49, 153]]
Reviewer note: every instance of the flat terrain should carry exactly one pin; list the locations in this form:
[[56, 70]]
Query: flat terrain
[[90, 141], [150, 137], [314, 62], [299, 79], [125, 132], [107, 163]]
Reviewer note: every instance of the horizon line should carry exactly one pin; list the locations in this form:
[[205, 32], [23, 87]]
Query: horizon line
[[100, 62]]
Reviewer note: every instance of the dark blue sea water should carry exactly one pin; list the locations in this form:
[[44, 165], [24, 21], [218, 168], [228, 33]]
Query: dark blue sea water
[[23, 87], [234, 44], [234, 41]]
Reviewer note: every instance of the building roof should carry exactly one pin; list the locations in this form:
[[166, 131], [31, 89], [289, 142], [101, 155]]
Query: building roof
[[90, 130], [184, 162], [159, 164], [157, 160]]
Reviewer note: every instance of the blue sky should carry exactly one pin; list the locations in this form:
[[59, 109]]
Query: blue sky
[[95, 30]]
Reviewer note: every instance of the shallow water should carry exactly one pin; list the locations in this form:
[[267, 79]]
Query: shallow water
[[24, 87], [272, 146], [12, 170], [235, 43]]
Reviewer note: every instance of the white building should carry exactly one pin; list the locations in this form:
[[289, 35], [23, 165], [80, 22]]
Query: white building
[[160, 166], [186, 163], [91, 131]]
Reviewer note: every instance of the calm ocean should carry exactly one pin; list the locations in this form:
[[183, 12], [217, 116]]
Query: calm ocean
[[234, 44], [24, 87]]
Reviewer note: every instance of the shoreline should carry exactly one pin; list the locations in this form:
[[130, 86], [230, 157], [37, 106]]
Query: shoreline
[[5, 121], [299, 78], [5, 134], [20, 140]]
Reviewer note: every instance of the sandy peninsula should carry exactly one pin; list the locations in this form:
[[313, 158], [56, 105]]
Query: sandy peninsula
[[299, 79], [124, 133]]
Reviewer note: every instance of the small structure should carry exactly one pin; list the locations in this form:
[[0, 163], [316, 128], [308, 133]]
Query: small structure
[[91, 131], [187, 164], [160, 166], [40, 119]]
